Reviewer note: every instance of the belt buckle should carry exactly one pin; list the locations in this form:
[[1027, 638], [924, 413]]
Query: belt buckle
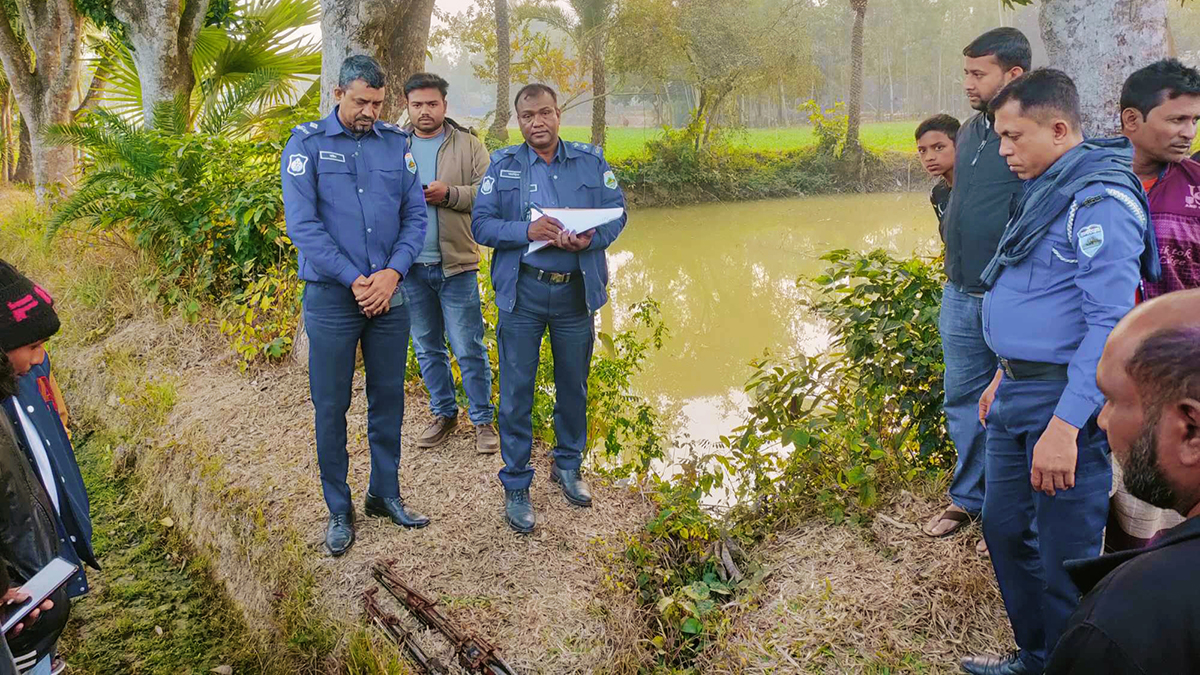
[[560, 277], [1007, 368]]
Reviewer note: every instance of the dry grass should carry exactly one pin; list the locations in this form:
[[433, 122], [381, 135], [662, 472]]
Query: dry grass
[[880, 600]]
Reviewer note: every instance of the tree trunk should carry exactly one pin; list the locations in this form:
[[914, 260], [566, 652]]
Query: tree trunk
[[1079, 40], [782, 105], [6, 114], [43, 89], [23, 172], [854, 109], [395, 32], [599, 92], [162, 34], [499, 127]]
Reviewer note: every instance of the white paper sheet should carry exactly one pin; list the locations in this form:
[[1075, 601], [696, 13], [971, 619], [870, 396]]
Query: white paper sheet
[[575, 220]]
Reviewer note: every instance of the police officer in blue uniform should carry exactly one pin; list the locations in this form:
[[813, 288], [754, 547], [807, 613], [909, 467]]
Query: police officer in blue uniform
[[356, 213], [559, 287], [1064, 274]]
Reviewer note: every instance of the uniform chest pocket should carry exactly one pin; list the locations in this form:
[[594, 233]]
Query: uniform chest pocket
[[334, 178], [388, 182], [509, 192], [1052, 262], [586, 186]]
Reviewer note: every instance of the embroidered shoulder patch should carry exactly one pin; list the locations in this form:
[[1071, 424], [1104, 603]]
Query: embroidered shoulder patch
[[486, 188], [297, 165], [610, 180], [410, 163], [1091, 238]]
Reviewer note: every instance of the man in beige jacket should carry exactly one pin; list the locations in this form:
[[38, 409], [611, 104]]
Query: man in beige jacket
[[441, 289]]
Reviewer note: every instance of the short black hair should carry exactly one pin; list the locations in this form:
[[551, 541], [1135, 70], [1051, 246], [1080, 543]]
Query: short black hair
[[1148, 88], [947, 124], [8, 377], [1009, 46], [1166, 367], [1041, 91], [360, 67], [426, 81], [535, 89]]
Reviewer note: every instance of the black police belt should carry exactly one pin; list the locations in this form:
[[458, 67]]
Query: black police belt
[[1033, 370], [549, 277]]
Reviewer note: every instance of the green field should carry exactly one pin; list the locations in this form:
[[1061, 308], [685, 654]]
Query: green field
[[626, 141]]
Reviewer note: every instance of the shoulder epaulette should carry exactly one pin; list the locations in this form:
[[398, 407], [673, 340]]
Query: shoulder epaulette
[[306, 128], [504, 152], [394, 128], [588, 148]]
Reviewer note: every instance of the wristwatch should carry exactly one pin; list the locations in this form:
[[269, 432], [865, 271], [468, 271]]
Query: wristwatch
[[445, 200]]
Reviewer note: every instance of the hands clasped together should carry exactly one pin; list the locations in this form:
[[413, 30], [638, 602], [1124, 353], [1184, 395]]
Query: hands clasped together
[[374, 293]]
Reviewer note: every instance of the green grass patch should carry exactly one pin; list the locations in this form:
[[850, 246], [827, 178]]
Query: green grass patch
[[154, 607], [625, 142]]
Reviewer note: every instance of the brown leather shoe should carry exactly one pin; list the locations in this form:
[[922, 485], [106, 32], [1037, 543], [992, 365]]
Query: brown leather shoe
[[487, 442], [437, 432]]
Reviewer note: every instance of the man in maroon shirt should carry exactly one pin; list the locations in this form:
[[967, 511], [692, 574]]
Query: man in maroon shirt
[[1160, 107]]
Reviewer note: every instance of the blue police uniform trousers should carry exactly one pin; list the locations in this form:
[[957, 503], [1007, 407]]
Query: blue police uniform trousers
[[335, 327], [970, 366], [561, 308], [444, 307], [1031, 534]]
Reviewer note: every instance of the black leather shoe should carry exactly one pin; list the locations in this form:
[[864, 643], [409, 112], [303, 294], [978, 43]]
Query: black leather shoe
[[339, 534], [573, 486], [1010, 664], [393, 508], [518, 510]]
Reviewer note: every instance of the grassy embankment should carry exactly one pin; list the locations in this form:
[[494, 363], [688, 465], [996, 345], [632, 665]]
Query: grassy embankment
[[157, 605]]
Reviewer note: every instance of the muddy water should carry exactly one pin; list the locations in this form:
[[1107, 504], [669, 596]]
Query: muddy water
[[725, 276]]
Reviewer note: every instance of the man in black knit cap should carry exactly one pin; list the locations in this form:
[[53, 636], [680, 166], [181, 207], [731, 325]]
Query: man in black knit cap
[[27, 321]]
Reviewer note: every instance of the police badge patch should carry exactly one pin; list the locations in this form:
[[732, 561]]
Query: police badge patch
[[486, 188], [297, 165], [610, 180], [1091, 238], [410, 163]]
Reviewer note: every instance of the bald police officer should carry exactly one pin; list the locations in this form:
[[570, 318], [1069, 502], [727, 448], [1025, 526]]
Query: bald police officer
[[356, 212], [559, 287]]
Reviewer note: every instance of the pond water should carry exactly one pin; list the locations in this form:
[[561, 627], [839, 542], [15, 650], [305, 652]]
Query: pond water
[[725, 276]]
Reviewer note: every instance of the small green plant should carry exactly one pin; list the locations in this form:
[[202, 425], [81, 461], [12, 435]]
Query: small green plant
[[829, 125], [263, 318]]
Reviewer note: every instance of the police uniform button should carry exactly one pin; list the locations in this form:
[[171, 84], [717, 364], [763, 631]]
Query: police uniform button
[[29, 408], [368, 230], [374, 266], [72, 539], [360, 189]]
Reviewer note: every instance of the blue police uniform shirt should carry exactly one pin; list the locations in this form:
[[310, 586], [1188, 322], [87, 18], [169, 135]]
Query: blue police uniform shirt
[[425, 152], [500, 218], [543, 191], [1059, 304], [353, 204]]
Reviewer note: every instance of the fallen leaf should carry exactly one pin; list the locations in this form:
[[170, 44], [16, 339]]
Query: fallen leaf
[[158, 630], [223, 670], [167, 522]]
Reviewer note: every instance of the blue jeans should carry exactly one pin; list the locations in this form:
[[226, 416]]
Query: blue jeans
[[561, 308], [1030, 534], [442, 307], [335, 328], [970, 366]]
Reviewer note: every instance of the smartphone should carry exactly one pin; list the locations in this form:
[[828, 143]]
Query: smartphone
[[49, 579]]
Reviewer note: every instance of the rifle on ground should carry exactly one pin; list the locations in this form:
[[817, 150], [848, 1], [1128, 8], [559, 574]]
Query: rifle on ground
[[474, 653], [390, 625]]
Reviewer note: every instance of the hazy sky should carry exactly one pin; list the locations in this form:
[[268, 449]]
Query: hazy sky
[[447, 6]]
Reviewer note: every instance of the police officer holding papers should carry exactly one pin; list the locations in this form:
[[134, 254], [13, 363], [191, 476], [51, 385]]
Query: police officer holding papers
[[558, 287], [356, 212]]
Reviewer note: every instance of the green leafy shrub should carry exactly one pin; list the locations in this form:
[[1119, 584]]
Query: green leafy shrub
[[829, 125], [263, 317], [206, 210]]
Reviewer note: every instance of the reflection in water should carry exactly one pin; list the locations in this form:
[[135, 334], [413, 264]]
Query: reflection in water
[[725, 275]]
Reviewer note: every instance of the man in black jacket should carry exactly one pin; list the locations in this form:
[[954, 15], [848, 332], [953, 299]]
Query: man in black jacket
[[984, 191], [1141, 614], [28, 542]]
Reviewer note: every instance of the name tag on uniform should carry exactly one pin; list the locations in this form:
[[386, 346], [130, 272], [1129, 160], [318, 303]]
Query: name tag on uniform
[[333, 156], [505, 173]]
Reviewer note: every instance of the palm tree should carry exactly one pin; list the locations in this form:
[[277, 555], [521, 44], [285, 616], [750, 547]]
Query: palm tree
[[499, 127], [853, 147], [257, 64], [588, 30]]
